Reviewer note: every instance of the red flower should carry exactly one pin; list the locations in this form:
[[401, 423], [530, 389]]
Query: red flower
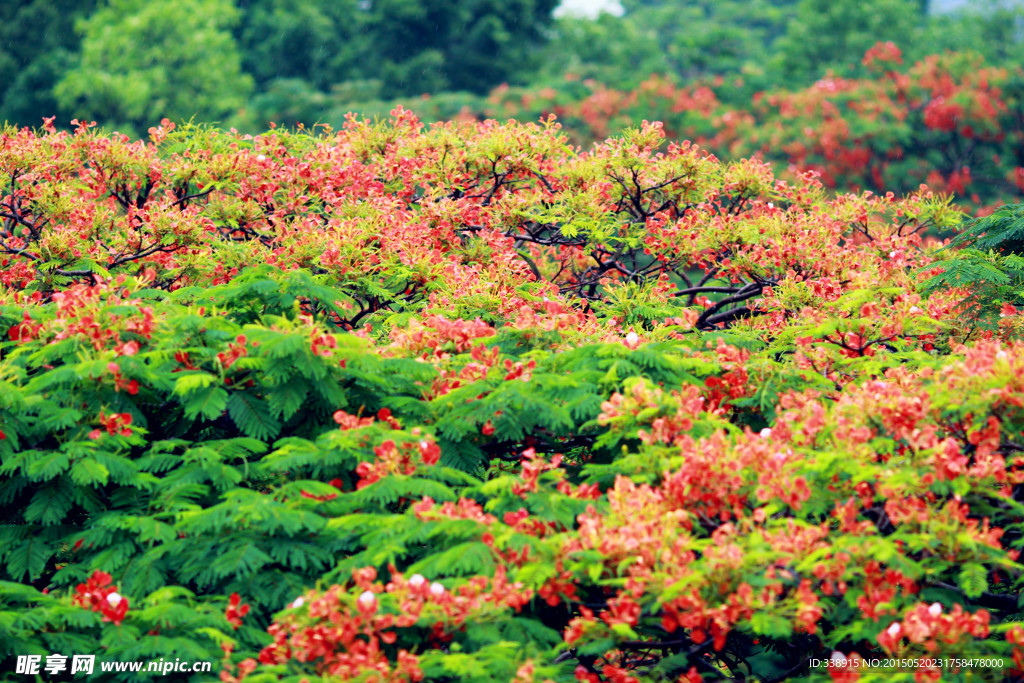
[[235, 611], [98, 595], [118, 423], [328, 496]]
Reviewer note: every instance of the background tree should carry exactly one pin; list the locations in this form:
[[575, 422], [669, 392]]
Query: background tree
[[37, 43], [143, 60], [706, 37], [992, 28], [419, 46], [315, 41], [302, 57], [835, 34], [609, 49]]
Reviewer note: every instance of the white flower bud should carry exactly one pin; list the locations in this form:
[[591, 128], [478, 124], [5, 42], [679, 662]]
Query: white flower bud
[[935, 609], [367, 599], [765, 433], [632, 338], [894, 629], [417, 580], [436, 589], [298, 603], [113, 599]]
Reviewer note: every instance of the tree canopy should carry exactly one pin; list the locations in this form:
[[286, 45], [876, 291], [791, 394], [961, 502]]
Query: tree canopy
[[32, 62], [143, 60], [464, 402], [424, 46]]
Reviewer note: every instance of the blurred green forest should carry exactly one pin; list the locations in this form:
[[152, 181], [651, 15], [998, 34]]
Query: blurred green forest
[[245, 63]]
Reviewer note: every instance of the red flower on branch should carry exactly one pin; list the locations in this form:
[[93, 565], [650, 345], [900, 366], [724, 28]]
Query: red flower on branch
[[98, 595], [235, 611]]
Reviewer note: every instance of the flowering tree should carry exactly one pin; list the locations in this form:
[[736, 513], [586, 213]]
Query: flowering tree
[[947, 120], [399, 403]]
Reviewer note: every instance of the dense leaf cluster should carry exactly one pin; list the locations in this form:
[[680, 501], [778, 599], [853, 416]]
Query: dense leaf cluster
[[987, 259], [466, 403], [949, 120], [247, 62]]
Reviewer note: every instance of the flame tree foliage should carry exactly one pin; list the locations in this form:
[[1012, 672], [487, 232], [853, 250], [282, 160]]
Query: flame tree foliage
[[952, 121], [397, 403]]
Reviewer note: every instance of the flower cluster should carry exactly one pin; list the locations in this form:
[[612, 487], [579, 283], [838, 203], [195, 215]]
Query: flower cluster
[[117, 423], [392, 458], [346, 635], [98, 595], [930, 626], [235, 611]]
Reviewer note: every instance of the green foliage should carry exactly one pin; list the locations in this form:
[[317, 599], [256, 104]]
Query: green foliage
[[316, 43], [1003, 230], [463, 402], [38, 44], [612, 50], [424, 46], [831, 34], [142, 61], [701, 39], [985, 260], [987, 27]]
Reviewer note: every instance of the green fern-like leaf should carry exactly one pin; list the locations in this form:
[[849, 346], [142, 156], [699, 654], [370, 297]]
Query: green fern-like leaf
[[1002, 230], [208, 402], [243, 559], [973, 579], [252, 416], [464, 559], [50, 503], [26, 557]]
